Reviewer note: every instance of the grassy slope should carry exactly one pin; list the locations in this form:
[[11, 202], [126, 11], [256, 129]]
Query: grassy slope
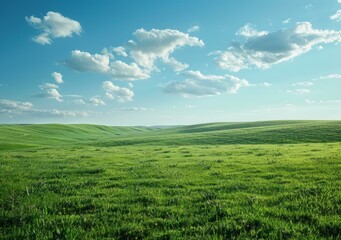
[[207, 181], [270, 132]]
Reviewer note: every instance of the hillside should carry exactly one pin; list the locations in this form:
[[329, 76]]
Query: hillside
[[267, 132]]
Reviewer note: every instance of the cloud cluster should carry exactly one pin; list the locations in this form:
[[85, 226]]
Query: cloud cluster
[[10, 108], [155, 44], [198, 84], [96, 101], [263, 49], [120, 94], [49, 90], [248, 31], [144, 51], [53, 25]]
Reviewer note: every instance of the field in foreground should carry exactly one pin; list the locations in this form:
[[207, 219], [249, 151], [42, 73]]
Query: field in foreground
[[262, 180]]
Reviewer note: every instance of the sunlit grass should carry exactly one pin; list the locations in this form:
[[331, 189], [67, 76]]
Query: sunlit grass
[[99, 189]]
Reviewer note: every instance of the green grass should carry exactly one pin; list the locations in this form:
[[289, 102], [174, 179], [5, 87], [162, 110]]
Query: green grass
[[261, 180]]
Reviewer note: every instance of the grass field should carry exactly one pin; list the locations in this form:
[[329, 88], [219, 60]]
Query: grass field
[[261, 180]]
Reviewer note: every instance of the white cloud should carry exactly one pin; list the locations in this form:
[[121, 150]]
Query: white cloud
[[58, 77], [309, 101], [144, 51], [139, 109], [263, 51], [248, 31], [121, 51], [198, 84], [265, 84], [97, 101], [194, 28], [286, 21], [155, 44], [86, 62], [50, 91], [48, 86], [120, 94], [10, 106], [123, 71], [53, 25], [100, 63], [303, 84], [336, 16], [299, 91], [331, 76], [175, 64]]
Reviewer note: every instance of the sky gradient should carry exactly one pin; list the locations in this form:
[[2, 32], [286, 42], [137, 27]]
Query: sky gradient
[[169, 62]]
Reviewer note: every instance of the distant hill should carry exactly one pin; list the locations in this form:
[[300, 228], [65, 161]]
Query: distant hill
[[265, 132]]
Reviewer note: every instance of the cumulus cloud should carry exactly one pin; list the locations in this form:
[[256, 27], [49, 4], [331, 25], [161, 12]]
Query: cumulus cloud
[[10, 106], [120, 51], [198, 84], [97, 101], [49, 90], [248, 31], [262, 50], [86, 62], [123, 71], [53, 25], [58, 77], [194, 28], [120, 94], [100, 63], [299, 91], [144, 51], [155, 44]]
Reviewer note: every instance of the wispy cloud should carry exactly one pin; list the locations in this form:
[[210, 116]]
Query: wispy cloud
[[136, 109], [286, 21], [53, 25], [10, 108], [299, 91], [331, 76], [337, 15], [194, 28], [198, 84], [303, 84]]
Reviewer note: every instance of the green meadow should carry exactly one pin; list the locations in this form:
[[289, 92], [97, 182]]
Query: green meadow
[[257, 180]]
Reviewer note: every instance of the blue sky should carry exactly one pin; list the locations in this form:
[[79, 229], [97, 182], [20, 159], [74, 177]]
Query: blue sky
[[169, 62]]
